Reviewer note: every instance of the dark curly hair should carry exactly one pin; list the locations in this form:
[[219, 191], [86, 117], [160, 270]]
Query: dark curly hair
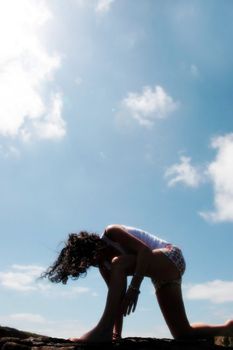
[[75, 258]]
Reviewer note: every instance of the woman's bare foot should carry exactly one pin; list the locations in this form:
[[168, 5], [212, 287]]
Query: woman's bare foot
[[94, 336]]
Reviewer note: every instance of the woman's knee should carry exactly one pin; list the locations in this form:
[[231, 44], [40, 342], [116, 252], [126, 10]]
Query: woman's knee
[[117, 262], [183, 333], [120, 263]]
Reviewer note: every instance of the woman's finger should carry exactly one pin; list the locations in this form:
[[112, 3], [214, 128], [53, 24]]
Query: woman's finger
[[129, 305], [134, 306], [124, 308], [129, 308]]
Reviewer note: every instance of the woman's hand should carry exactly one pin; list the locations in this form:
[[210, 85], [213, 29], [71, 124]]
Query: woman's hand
[[130, 300]]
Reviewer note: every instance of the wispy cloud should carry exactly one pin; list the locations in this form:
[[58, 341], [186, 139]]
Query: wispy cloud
[[100, 7], [9, 151], [194, 71], [220, 172], [184, 172], [37, 323], [28, 317], [21, 277], [215, 291], [146, 107], [52, 125], [29, 107], [25, 278], [103, 6]]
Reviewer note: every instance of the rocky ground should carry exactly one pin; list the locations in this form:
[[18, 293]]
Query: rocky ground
[[11, 339]]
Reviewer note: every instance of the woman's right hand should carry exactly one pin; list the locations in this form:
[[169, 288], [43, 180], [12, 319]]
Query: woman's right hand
[[130, 300]]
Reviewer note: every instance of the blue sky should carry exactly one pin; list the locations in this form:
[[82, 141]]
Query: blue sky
[[114, 112]]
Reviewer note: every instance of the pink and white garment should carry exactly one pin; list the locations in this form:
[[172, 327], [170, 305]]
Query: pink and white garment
[[172, 252]]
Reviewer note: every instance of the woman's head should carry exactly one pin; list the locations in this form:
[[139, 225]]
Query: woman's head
[[80, 252]]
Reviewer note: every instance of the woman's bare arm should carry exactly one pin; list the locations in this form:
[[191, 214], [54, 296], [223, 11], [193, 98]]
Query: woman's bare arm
[[132, 245], [143, 253]]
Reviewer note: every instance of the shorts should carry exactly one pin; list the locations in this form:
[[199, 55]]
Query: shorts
[[175, 255]]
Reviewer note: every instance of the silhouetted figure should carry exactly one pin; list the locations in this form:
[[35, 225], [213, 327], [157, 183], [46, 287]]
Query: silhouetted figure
[[123, 251]]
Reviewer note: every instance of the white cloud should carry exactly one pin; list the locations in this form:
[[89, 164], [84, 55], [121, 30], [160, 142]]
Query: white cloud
[[194, 71], [215, 291], [52, 125], [9, 151], [28, 317], [39, 324], [183, 172], [21, 278], [220, 173], [70, 292], [103, 6], [148, 106], [28, 108], [25, 278]]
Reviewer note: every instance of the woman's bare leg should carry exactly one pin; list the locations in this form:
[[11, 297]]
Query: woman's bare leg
[[172, 306], [117, 287], [202, 330]]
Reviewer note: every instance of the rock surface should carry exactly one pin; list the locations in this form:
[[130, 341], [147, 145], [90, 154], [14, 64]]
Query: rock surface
[[13, 339]]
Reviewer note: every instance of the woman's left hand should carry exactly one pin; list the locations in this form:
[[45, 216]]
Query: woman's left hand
[[130, 300]]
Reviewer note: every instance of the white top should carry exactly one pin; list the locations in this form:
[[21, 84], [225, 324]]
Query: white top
[[149, 239]]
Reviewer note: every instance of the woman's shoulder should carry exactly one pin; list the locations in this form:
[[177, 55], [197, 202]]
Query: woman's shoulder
[[112, 228], [111, 236]]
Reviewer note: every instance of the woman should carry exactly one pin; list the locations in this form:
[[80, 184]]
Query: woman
[[126, 251]]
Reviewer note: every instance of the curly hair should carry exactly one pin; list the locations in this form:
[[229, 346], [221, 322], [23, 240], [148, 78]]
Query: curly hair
[[75, 258]]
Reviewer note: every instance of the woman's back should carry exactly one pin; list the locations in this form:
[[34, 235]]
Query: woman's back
[[149, 239]]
